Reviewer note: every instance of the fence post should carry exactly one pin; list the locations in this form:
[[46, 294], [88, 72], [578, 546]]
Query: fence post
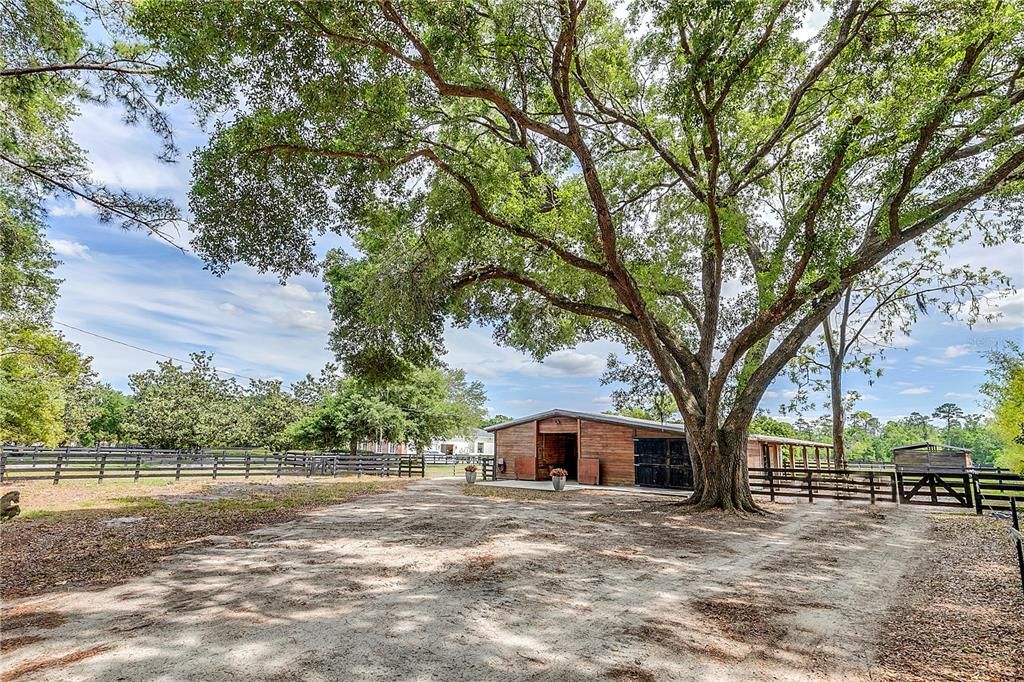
[[871, 485], [138, 464], [1016, 537], [56, 471], [977, 495], [968, 502], [810, 486], [897, 494], [423, 467], [3, 465], [215, 467], [248, 461], [177, 467], [103, 467], [771, 484], [310, 463]]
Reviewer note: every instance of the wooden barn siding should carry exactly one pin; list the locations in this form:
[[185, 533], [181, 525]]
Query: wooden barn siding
[[612, 444], [515, 441], [557, 425], [754, 459]]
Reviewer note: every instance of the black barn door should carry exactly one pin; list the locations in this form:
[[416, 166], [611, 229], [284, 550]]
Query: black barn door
[[662, 463]]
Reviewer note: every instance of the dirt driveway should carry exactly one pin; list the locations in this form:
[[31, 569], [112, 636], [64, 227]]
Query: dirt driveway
[[433, 584]]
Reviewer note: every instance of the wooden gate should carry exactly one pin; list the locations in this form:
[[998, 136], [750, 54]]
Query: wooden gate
[[937, 489]]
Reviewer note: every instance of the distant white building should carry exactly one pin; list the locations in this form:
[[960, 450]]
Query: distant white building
[[480, 443]]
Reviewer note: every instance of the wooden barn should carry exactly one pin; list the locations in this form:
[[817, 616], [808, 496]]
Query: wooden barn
[[594, 449], [932, 456], [603, 449]]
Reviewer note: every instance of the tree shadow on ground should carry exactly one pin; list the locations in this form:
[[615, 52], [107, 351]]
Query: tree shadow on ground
[[434, 584]]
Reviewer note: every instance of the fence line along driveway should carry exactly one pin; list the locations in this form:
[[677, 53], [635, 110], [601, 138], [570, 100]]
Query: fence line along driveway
[[26, 464], [977, 489]]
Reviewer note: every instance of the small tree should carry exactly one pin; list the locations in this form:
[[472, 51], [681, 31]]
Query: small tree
[[951, 414], [108, 422], [876, 306]]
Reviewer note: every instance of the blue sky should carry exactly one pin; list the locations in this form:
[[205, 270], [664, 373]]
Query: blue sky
[[129, 286]]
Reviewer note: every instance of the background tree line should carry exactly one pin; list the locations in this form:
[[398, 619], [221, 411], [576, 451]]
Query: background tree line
[[176, 407]]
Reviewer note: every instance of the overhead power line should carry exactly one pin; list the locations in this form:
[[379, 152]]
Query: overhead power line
[[146, 350]]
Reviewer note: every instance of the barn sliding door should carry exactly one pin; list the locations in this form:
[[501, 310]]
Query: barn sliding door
[[662, 463]]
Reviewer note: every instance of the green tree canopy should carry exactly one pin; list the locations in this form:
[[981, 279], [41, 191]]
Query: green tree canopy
[[422, 405], [1005, 391], [180, 408], [573, 170]]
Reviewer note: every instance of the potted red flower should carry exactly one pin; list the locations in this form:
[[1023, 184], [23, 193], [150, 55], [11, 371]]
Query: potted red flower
[[471, 473], [558, 478]]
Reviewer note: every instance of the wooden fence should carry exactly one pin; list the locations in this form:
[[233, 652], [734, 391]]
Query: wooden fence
[[970, 489], [25, 464], [57, 464]]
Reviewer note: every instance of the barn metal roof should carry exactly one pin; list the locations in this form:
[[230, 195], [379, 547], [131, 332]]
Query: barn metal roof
[[931, 447], [594, 417], [633, 421], [786, 441]]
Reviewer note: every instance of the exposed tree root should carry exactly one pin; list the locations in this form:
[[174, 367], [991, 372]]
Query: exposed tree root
[[699, 503]]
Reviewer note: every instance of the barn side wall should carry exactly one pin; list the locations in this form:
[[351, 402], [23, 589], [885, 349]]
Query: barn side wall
[[513, 442], [612, 444]]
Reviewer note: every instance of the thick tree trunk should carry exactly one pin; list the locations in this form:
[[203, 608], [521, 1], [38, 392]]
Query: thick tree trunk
[[720, 472], [838, 415]]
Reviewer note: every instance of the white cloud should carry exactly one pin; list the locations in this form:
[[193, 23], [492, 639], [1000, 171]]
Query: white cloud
[[70, 249], [296, 291], [573, 363], [916, 390], [302, 319], [965, 396], [788, 394], [956, 351], [928, 360], [516, 402], [603, 400], [68, 209], [229, 308]]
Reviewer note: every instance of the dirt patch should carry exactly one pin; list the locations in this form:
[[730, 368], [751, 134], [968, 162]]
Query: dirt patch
[[742, 620], [630, 673], [459, 586], [29, 617], [473, 570], [39, 665], [87, 548], [960, 614], [9, 644]]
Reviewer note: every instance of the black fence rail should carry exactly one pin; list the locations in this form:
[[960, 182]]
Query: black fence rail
[[946, 488], [26, 464], [824, 483]]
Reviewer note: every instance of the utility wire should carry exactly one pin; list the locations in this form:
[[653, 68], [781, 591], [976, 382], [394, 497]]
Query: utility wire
[[146, 350]]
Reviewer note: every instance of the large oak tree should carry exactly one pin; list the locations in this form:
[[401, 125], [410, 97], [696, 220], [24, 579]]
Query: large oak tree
[[688, 176]]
